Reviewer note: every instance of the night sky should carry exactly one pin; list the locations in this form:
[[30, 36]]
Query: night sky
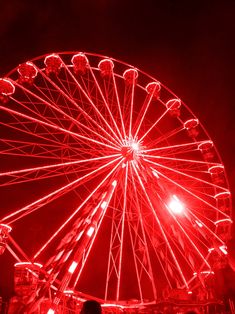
[[187, 45]]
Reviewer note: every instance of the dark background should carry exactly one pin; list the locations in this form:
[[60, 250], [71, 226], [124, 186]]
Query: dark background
[[187, 45]]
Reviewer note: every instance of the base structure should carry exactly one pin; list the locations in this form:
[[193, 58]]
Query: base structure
[[72, 303], [32, 297]]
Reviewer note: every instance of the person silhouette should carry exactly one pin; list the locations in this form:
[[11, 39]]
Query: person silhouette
[[91, 307]]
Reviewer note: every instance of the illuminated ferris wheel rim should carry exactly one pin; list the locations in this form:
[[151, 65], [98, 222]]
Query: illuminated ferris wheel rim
[[133, 151], [152, 79], [134, 144]]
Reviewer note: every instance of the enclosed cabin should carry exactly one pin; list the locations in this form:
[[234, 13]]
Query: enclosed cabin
[[26, 278]]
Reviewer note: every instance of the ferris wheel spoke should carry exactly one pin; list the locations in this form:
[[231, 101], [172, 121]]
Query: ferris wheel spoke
[[186, 261], [154, 124], [106, 103], [114, 267], [173, 148], [189, 192], [139, 240], [156, 250], [43, 151], [59, 103], [75, 121], [203, 242], [55, 127], [46, 145], [183, 160], [119, 267], [13, 179], [53, 195], [78, 209], [75, 104], [111, 263], [118, 104], [90, 127], [29, 127], [188, 176], [80, 125], [161, 252], [206, 227], [29, 149], [143, 113], [161, 229], [91, 103], [136, 261], [42, 107], [182, 251], [186, 234], [29, 174], [131, 109], [166, 136], [159, 246], [104, 203]]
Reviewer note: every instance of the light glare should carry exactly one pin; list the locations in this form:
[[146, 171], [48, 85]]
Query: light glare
[[223, 249], [90, 231], [135, 146], [175, 205], [72, 267], [199, 223], [104, 205]]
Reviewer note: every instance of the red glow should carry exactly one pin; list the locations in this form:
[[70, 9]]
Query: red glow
[[27, 71], [53, 63], [176, 206], [116, 162], [106, 67], [154, 89], [6, 87], [190, 124], [130, 76], [5, 228], [80, 63]]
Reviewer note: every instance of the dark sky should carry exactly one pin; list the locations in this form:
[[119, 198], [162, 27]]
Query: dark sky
[[187, 45]]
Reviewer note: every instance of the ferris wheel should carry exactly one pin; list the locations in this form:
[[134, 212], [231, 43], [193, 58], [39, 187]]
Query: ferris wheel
[[108, 180]]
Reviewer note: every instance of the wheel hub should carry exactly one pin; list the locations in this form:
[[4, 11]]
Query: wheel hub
[[131, 149]]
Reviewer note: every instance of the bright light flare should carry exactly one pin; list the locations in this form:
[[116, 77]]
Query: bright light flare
[[200, 225], [204, 272], [90, 231], [114, 183], [72, 267], [50, 311], [211, 249], [135, 146], [68, 292], [223, 249], [176, 206]]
